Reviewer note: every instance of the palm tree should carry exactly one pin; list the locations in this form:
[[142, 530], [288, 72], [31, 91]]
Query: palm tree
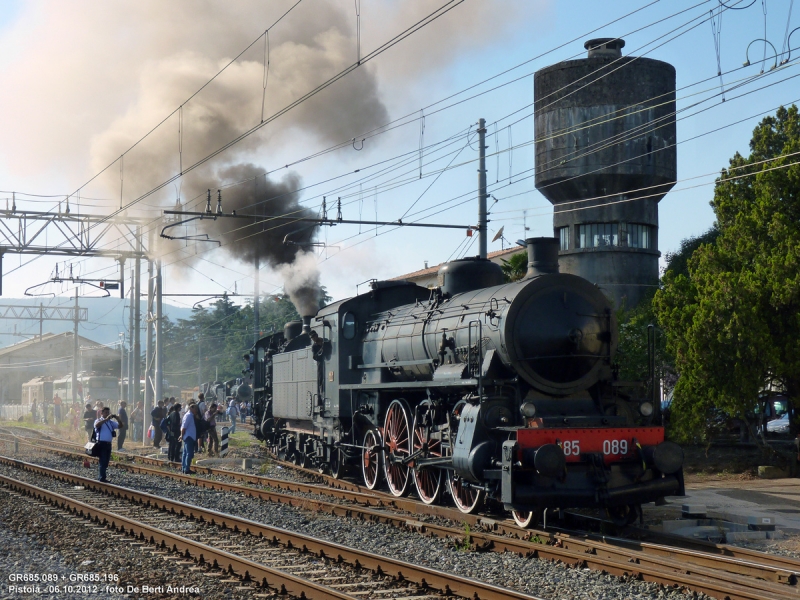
[[515, 267]]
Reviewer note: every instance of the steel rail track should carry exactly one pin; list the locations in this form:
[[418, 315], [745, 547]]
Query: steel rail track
[[423, 576], [755, 576], [248, 570], [361, 495]]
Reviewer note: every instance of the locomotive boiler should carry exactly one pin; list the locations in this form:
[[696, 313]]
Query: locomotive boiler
[[477, 389]]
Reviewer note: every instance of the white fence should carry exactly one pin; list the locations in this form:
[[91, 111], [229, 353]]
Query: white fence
[[12, 412]]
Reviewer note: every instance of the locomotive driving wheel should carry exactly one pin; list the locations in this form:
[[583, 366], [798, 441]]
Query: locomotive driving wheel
[[301, 459], [337, 465], [624, 515], [466, 498], [397, 437], [529, 519], [428, 481], [371, 458]]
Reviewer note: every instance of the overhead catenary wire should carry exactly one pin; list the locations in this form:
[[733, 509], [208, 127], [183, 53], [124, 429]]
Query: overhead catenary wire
[[687, 140], [431, 17], [383, 128]]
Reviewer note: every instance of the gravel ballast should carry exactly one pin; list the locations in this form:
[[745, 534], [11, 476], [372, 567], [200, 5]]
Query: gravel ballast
[[536, 577], [88, 562]]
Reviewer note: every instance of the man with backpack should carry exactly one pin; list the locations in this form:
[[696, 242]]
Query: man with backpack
[[189, 433], [104, 432]]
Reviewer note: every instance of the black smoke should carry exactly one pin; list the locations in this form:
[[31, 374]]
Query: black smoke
[[282, 243]]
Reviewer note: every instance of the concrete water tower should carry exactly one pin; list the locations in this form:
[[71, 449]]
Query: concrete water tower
[[605, 156]]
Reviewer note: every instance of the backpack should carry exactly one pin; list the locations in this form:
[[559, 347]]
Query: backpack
[[164, 425], [202, 426]]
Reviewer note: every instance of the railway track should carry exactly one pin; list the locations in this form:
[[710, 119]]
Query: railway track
[[718, 570], [269, 559]]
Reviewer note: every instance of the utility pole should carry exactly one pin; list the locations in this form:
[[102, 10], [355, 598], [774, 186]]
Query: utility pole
[[75, 352], [137, 317], [482, 196], [148, 350], [159, 387], [131, 336], [199, 363], [256, 294], [121, 365]]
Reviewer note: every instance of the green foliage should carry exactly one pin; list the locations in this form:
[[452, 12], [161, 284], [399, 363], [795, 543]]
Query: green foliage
[[465, 544], [632, 351], [515, 267], [215, 338], [733, 317], [678, 262]]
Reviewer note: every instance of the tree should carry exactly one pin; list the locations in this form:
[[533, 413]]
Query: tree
[[632, 348], [678, 262], [733, 318], [515, 267]]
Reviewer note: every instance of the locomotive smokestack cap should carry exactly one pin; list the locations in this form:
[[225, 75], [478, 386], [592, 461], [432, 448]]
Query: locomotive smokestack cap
[[307, 324], [611, 47], [542, 256], [292, 329]]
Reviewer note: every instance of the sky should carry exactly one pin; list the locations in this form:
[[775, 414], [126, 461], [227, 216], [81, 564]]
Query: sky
[[89, 81]]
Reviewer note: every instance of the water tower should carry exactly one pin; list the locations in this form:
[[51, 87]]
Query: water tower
[[605, 156]]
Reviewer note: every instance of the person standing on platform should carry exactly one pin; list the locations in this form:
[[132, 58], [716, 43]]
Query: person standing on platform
[[233, 413], [104, 430], [213, 439], [189, 438], [122, 413], [174, 433], [89, 417], [136, 421], [156, 415], [57, 409]]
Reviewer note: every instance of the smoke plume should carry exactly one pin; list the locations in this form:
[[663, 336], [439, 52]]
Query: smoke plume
[[301, 282], [118, 68], [283, 243]]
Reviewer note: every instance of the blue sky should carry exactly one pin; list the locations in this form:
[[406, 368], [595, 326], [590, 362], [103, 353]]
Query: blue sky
[[89, 77]]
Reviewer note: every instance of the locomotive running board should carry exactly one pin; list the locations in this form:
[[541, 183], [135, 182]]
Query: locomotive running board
[[409, 384]]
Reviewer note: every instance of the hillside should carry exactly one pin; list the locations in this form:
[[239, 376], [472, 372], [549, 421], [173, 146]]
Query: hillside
[[108, 317]]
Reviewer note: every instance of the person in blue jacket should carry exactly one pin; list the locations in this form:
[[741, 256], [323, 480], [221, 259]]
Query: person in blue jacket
[[104, 428]]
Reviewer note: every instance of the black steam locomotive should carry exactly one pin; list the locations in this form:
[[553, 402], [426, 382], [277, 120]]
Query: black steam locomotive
[[479, 388]]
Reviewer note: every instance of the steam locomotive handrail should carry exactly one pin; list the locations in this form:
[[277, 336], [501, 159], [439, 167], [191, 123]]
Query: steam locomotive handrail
[[479, 327], [397, 363], [409, 384]]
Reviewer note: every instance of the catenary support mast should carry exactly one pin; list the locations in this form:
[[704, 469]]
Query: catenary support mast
[[482, 242]]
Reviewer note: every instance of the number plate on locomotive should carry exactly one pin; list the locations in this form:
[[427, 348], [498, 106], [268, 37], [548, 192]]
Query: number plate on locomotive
[[614, 444]]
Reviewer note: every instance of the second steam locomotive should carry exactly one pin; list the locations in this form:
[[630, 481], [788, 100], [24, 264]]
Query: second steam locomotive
[[476, 389]]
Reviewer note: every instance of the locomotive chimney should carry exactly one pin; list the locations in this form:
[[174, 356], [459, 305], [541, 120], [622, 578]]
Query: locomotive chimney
[[307, 324], [542, 256]]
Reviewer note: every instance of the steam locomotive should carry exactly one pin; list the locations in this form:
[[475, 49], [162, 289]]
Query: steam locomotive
[[478, 389]]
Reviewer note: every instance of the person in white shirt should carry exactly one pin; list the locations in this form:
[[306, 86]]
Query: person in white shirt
[[104, 432], [189, 438], [233, 413]]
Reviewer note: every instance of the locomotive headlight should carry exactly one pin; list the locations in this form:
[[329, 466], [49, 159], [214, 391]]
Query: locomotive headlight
[[646, 408], [528, 410]]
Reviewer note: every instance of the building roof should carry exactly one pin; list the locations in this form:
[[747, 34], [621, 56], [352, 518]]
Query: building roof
[[49, 337], [494, 256]]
